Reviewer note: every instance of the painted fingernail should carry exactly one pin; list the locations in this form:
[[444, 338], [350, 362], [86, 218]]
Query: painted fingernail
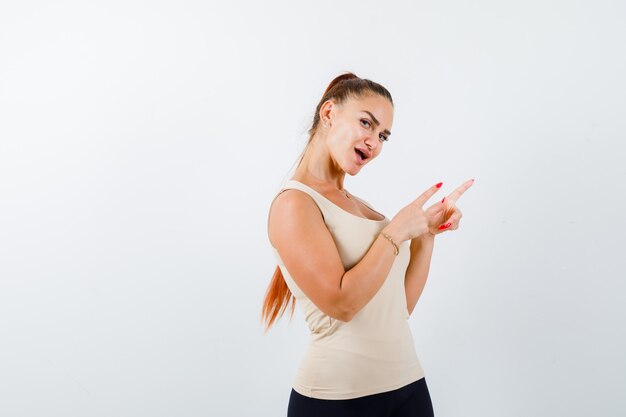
[[444, 199], [445, 226], [438, 185]]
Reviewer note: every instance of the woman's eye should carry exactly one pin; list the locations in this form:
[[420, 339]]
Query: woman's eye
[[367, 124]]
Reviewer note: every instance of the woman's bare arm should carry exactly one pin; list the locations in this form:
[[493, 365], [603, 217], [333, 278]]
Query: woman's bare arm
[[417, 271], [297, 230], [442, 217]]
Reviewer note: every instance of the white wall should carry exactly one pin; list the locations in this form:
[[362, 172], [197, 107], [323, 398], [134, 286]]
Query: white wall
[[142, 142]]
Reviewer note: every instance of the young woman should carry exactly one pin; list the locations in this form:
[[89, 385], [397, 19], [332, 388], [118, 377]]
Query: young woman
[[356, 274]]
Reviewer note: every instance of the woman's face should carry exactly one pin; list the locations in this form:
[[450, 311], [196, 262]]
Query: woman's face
[[357, 129]]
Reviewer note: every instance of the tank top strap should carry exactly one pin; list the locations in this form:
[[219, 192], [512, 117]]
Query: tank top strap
[[325, 206]]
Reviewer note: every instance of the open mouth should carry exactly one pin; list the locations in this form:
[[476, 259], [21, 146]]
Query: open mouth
[[360, 155]]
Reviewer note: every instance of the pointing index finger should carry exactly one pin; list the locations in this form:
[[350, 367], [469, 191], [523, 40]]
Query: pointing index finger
[[421, 200], [458, 192]]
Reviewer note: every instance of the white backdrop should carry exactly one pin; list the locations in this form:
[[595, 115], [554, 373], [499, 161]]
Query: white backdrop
[[142, 142]]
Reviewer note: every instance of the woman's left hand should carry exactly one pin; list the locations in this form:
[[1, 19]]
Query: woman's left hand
[[445, 215]]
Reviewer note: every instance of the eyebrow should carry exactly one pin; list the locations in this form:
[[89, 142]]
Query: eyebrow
[[377, 122]]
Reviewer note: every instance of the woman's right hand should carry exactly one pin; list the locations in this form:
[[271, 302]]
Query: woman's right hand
[[411, 221]]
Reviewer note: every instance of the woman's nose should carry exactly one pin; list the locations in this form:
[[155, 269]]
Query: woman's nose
[[371, 143]]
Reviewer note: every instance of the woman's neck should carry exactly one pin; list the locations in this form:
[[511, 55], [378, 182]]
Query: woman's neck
[[318, 168]]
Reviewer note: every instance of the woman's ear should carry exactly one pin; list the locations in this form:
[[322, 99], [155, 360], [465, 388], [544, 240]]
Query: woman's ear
[[327, 112]]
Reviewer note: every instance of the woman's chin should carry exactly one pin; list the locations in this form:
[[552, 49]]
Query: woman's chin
[[353, 169]]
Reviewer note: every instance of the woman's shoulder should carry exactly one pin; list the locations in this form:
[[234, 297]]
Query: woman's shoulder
[[292, 200], [290, 207]]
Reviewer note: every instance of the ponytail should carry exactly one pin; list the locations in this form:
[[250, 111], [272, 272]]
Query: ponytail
[[277, 299]]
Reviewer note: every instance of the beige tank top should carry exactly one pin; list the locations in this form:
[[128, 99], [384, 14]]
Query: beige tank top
[[372, 353]]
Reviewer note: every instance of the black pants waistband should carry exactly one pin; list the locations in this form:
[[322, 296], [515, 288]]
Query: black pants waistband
[[412, 400]]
